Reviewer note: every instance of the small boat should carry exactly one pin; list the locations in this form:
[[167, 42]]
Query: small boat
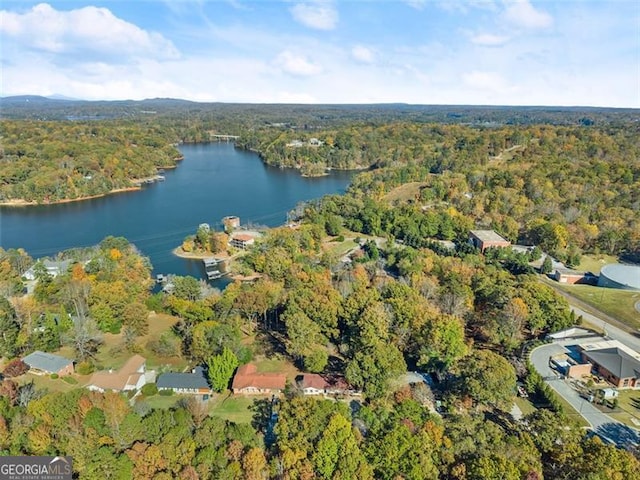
[[160, 278], [160, 178]]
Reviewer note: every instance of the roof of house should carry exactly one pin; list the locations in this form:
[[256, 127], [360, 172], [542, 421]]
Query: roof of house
[[247, 376], [569, 271], [488, 236], [323, 382], [313, 380], [616, 360], [194, 380], [117, 380], [47, 362], [243, 237]]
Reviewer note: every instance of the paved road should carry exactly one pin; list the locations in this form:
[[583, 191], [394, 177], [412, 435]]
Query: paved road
[[611, 331], [602, 424]]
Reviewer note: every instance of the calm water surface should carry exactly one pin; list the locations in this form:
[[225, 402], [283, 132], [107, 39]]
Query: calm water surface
[[213, 181]]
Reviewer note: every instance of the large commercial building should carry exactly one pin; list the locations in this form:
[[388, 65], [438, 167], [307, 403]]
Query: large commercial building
[[483, 239], [616, 275]]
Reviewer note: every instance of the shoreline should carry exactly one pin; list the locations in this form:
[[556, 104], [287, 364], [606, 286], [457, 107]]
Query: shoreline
[[178, 252], [20, 202]]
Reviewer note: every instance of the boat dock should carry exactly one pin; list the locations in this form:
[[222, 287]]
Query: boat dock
[[211, 268]]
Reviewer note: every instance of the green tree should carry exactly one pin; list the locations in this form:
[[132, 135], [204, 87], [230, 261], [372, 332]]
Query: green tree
[[489, 379], [221, 368], [186, 288], [337, 454], [9, 329], [547, 266]]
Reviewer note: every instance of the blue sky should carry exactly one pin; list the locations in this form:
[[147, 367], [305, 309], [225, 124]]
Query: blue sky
[[499, 52]]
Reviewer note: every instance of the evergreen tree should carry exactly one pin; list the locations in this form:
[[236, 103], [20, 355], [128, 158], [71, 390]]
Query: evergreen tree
[[221, 368]]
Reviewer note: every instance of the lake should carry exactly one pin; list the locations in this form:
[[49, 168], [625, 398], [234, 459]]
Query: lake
[[214, 180]]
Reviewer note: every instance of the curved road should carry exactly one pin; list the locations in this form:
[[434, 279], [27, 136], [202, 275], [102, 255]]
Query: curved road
[[602, 424]]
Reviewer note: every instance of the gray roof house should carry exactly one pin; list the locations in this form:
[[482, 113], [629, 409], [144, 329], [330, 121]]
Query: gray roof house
[[42, 363], [195, 382], [53, 268]]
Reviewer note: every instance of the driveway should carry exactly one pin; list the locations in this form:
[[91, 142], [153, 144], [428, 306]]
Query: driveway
[[602, 424]]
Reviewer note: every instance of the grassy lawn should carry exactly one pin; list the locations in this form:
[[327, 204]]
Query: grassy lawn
[[620, 304], [525, 405], [404, 193], [277, 365], [572, 413], [628, 408], [113, 355], [593, 263], [160, 401], [46, 382], [340, 248], [233, 408]]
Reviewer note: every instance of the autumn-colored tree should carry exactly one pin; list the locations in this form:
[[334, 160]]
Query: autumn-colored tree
[[15, 368], [254, 464]]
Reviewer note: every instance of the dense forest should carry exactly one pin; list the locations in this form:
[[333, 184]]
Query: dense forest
[[462, 316], [46, 162], [401, 300]]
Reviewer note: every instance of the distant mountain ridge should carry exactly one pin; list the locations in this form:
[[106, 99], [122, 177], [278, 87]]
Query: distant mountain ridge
[[59, 107]]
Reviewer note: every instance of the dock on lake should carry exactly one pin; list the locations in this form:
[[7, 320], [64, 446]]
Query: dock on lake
[[211, 267]]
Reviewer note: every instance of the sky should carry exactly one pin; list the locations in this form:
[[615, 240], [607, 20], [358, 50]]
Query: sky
[[461, 52]]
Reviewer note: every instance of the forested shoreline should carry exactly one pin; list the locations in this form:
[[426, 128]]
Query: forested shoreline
[[367, 286]]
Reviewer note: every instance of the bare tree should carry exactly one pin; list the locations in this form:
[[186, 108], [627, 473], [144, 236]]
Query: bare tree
[[85, 338]]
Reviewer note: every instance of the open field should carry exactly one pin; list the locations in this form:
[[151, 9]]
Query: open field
[[113, 355], [593, 263], [340, 248], [405, 192], [620, 304]]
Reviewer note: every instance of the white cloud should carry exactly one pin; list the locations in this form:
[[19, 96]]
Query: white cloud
[[362, 54], [417, 4], [318, 14], [480, 80], [296, 64], [85, 31], [522, 14], [489, 39]]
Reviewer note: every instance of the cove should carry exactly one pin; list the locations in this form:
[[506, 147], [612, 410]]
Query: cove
[[214, 180]]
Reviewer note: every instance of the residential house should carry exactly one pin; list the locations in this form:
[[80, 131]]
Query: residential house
[[615, 362], [42, 363], [242, 241], [315, 384], [483, 239], [131, 376], [194, 383], [52, 267], [247, 380]]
